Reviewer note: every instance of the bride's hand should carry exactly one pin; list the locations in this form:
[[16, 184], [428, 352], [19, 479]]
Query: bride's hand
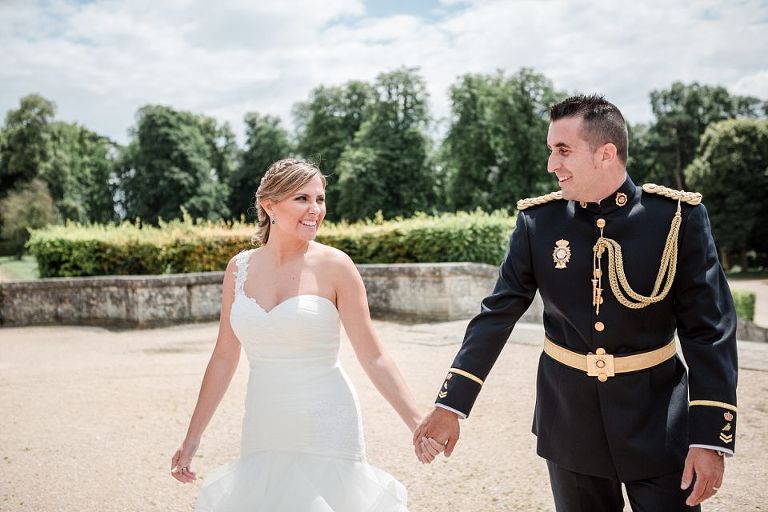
[[427, 449], [181, 462]]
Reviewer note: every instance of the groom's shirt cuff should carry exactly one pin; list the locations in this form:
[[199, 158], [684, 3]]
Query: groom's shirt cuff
[[461, 414], [725, 451]]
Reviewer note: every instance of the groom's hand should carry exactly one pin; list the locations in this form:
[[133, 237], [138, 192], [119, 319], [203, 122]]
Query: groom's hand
[[441, 425], [708, 467]]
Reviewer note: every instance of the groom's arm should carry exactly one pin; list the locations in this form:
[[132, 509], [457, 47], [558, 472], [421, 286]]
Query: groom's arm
[[488, 332]]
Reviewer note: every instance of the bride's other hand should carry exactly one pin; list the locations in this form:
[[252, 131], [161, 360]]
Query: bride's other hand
[[181, 462]]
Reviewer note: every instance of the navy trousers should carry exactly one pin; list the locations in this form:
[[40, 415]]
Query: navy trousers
[[575, 492]]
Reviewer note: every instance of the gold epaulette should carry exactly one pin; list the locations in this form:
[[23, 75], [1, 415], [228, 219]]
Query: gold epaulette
[[535, 201], [692, 198]]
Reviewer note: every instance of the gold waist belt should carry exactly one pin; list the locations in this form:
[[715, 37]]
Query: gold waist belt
[[602, 365]]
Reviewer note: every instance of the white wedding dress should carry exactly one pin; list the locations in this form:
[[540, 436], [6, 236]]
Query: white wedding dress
[[302, 444]]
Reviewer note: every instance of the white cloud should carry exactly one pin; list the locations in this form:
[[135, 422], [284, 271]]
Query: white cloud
[[100, 61]]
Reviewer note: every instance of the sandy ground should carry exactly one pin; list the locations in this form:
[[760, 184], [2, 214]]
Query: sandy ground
[[89, 419]]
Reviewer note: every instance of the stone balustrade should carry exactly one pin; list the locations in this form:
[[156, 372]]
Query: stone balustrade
[[414, 292], [420, 292]]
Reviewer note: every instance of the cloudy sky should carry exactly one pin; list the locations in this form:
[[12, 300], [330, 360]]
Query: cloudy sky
[[100, 60]]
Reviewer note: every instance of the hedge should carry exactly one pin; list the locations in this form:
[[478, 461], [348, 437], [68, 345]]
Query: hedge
[[197, 246], [745, 304]]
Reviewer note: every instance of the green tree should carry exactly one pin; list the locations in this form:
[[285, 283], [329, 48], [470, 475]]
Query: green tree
[[683, 112], [222, 146], [25, 142], [169, 165], [80, 173], [495, 150], [326, 126], [266, 142], [385, 168], [27, 207], [731, 171]]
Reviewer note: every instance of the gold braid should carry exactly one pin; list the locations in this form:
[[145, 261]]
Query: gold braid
[[617, 277]]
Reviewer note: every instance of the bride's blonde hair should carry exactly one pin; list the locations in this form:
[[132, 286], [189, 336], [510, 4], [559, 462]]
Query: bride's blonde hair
[[281, 179]]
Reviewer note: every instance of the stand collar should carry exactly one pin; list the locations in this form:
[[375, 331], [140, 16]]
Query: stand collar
[[616, 200]]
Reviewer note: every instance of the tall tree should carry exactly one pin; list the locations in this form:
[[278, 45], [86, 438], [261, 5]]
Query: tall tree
[[683, 112], [168, 166], [385, 168], [266, 142], [25, 142], [495, 150], [731, 171], [326, 126]]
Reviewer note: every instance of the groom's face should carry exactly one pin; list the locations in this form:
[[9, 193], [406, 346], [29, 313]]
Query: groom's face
[[573, 161]]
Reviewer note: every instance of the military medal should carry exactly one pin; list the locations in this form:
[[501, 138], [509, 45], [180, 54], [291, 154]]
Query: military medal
[[562, 253]]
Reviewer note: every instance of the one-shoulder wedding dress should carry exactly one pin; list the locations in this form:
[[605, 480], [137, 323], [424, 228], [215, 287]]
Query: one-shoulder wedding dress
[[302, 444]]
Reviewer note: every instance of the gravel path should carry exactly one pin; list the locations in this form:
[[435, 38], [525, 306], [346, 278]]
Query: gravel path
[[89, 419]]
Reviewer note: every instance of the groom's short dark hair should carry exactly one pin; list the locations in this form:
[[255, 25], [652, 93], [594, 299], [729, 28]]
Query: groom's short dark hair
[[603, 122]]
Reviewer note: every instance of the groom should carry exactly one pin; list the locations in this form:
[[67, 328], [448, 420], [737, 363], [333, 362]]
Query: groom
[[619, 268]]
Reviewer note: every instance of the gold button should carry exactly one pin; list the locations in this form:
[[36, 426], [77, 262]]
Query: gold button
[[599, 326], [600, 351], [600, 223], [600, 363], [602, 377]]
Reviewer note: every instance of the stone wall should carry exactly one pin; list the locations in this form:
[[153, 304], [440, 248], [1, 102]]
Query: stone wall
[[419, 292]]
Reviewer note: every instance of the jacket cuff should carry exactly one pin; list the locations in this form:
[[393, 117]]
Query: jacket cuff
[[712, 424], [459, 391]]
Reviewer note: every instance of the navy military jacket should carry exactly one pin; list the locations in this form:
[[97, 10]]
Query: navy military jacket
[[635, 425]]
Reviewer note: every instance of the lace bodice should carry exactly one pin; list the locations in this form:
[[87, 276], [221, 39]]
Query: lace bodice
[[302, 327]]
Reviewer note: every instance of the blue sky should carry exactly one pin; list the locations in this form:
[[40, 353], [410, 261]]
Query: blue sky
[[101, 60]]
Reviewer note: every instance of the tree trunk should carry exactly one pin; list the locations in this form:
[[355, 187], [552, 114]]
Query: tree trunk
[[724, 259]]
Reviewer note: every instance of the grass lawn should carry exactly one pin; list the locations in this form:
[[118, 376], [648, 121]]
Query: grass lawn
[[14, 269]]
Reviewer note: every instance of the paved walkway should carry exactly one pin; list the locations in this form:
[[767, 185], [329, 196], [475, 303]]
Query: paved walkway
[[89, 419]]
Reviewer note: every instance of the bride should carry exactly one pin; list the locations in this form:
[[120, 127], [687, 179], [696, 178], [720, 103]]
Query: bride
[[302, 447]]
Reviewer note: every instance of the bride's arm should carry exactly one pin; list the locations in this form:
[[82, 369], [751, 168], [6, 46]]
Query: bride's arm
[[218, 375], [352, 304]]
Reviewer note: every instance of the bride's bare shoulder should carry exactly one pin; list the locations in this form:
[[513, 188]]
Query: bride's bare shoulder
[[332, 259]]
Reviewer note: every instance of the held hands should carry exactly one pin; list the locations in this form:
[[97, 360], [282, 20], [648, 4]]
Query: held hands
[[181, 461], [709, 467], [438, 431]]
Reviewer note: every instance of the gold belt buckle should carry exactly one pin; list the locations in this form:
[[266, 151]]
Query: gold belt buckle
[[600, 365]]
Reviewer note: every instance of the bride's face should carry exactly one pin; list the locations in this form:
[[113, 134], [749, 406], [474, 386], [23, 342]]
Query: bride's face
[[301, 212]]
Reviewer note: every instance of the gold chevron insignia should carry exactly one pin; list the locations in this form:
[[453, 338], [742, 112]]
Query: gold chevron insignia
[[726, 438], [442, 394]]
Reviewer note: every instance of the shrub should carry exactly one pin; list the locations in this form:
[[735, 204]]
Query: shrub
[[26, 208], [745, 304]]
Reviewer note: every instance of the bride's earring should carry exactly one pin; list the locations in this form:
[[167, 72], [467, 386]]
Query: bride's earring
[[273, 220]]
